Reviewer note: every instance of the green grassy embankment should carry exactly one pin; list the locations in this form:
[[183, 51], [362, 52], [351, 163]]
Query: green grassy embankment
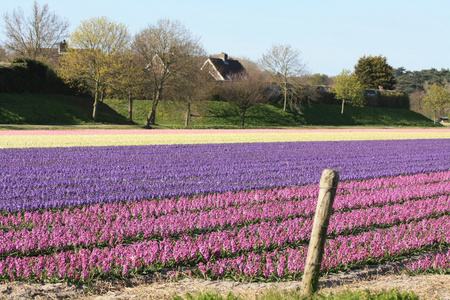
[[42, 109], [223, 114], [26, 108]]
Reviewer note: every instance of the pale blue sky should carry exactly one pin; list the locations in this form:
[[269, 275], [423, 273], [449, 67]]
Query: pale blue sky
[[331, 35]]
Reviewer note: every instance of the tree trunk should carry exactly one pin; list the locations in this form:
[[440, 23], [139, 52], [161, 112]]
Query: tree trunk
[[188, 113], [243, 117], [151, 118], [130, 108], [151, 115], [285, 96], [342, 109], [94, 111]]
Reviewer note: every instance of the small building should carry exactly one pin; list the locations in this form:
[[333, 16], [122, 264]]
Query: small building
[[222, 68], [444, 120]]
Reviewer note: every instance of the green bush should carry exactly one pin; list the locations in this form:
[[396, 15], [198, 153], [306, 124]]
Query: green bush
[[393, 99]]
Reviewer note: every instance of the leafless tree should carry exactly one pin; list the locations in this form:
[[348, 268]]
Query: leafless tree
[[126, 79], [2, 53], [246, 89], [284, 64], [191, 86], [248, 64], [301, 94], [33, 37], [166, 48]]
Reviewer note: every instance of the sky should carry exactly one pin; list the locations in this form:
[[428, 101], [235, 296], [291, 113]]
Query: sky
[[331, 35]]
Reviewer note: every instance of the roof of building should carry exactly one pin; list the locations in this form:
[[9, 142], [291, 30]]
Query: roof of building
[[224, 66]]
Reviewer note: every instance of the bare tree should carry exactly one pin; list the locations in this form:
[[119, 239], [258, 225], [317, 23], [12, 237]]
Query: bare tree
[[415, 99], [2, 53], [246, 89], [33, 37], [126, 79], [166, 48], [248, 64], [300, 94], [284, 64], [189, 86]]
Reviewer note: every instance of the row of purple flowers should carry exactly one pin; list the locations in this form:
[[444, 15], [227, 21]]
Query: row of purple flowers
[[42, 178]]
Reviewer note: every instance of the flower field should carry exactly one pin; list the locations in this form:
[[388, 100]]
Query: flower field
[[240, 209], [98, 137]]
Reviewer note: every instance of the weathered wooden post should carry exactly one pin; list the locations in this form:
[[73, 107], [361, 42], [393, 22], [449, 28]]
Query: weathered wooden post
[[328, 186]]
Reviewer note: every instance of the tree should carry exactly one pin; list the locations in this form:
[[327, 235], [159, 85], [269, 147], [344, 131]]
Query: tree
[[374, 72], [126, 79], [410, 81], [301, 94], [93, 46], [248, 64], [33, 37], [284, 64], [348, 88], [189, 86], [437, 99], [2, 53], [318, 79], [246, 89], [166, 49]]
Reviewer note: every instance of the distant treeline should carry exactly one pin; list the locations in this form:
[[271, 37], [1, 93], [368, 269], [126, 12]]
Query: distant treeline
[[411, 81]]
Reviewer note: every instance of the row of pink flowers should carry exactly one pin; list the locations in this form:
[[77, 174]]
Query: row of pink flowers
[[438, 262], [259, 235], [114, 223], [341, 252], [258, 245], [149, 255], [351, 194]]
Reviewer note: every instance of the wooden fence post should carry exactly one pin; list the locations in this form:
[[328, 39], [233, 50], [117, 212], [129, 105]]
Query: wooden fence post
[[328, 186]]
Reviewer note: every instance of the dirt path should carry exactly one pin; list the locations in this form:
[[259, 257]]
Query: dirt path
[[425, 286], [377, 278]]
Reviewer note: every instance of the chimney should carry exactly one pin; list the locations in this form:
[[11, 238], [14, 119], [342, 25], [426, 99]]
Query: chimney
[[62, 47], [224, 57]]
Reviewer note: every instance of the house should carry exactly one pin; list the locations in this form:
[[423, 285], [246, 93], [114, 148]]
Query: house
[[222, 68], [52, 54]]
